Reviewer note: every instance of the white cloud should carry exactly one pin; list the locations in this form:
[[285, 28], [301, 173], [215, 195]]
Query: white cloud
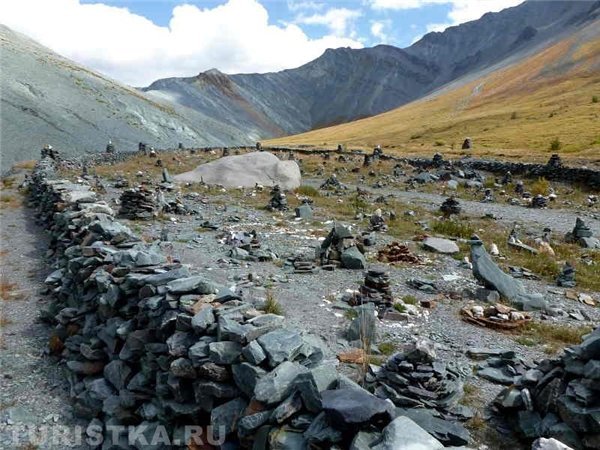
[[378, 30], [233, 37], [437, 26], [297, 5], [338, 20], [461, 10]]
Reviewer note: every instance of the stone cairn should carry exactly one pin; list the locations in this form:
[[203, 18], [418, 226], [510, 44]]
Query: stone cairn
[[49, 152], [278, 200], [566, 278], [376, 288], [339, 249], [333, 184], [555, 161], [138, 203], [582, 235], [559, 398], [450, 207], [425, 389], [377, 222], [539, 201], [437, 160], [467, 144], [396, 252], [150, 344]]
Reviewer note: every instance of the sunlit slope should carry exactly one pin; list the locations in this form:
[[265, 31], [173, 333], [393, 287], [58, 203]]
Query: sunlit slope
[[518, 110]]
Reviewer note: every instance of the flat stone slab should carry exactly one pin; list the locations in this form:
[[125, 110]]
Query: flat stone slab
[[440, 245]]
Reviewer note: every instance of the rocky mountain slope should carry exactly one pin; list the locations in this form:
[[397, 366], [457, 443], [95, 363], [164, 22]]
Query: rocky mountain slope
[[346, 84], [552, 94], [49, 99]]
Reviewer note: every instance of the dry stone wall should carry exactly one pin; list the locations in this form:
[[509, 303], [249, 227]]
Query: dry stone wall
[[150, 343]]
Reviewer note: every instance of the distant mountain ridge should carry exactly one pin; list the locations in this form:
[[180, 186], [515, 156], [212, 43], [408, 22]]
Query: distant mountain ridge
[[346, 84], [49, 99]]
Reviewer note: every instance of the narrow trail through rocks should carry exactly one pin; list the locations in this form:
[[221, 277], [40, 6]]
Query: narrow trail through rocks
[[33, 388], [559, 220]]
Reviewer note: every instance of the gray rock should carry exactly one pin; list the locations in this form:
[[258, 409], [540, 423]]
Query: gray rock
[[321, 432], [349, 408], [117, 373], [225, 352], [352, 258], [281, 345], [249, 424], [486, 271], [278, 384], [246, 377], [224, 418], [304, 212], [183, 368], [253, 353], [363, 327], [404, 434], [311, 384], [549, 444], [196, 285], [202, 320], [445, 431], [363, 440], [284, 439], [440, 245]]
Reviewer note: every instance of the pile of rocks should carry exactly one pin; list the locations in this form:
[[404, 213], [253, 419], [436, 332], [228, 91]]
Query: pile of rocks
[[151, 345], [539, 201], [425, 389], [246, 247], [377, 222], [499, 366], [559, 398], [339, 249], [583, 235], [138, 203], [376, 288], [333, 184], [278, 200], [566, 278], [397, 253], [450, 207]]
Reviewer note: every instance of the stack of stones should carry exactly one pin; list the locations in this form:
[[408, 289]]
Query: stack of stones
[[566, 278], [151, 345], [555, 161], [559, 398], [377, 222], [303, 265], [425, 389], [438, 160], [339, 249], [138, 203], [539, 201], [450, 207], [376, 288], [583, 235], [278, 200], [333, 184]]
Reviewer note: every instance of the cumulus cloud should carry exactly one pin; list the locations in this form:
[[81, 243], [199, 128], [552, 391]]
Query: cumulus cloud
[[378, 30], [338, 20], [461, 10], [233, 37]]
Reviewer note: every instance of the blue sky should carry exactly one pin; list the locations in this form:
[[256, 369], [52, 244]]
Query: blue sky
[[139, 41]]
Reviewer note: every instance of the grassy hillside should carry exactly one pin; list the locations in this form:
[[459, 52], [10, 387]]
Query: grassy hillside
[[514, 112]]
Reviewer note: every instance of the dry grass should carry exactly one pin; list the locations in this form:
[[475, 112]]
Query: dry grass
[[29, 164], [550, 93], [9, 200], [553, 336], [272, 306], [9, 291], [4, 321]]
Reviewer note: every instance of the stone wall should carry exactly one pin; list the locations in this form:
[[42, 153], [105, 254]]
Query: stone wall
[[148, 342]]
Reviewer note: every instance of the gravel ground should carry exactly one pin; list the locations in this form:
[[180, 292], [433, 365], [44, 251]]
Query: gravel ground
[[34, 388]]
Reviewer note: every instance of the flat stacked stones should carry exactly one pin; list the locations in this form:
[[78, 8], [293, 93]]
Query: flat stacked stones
[[376, 288], [138, 203], [278, 200], [450, 207]]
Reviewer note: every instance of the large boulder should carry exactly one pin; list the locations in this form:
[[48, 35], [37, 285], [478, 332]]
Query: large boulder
[[246, 170]]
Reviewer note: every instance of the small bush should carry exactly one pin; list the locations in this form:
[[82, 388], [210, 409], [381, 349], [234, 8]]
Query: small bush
[[453, 228], [272, 306], [540, 187], [595, 99], [555, 145], [513, 116], [553, 336], [307, 191], [387, 348], [400, 307], [351, 314], [439, 143]]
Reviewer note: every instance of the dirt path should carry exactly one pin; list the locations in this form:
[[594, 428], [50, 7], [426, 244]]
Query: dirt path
[[559, 220], [33, 389]]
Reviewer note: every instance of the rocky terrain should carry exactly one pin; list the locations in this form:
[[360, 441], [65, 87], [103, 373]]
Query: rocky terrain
[[382, 304]]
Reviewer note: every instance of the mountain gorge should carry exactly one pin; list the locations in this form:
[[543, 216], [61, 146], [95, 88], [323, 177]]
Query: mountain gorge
[[45, 96]]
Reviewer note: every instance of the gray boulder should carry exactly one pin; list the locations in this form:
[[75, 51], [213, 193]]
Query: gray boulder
[[440, 245], [349, 408], [246, 170], [404, 434], [352, 258]]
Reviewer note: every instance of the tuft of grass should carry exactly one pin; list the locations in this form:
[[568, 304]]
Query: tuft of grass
[[351, 314], [554, 336], [4, 321], [386, 348], [307, 191], [555, 144], [470, 395], [410, 300], [29, 164], [9, 201], [400, 307], [272, 306], [594, 99], [540, 187], [453, 228]]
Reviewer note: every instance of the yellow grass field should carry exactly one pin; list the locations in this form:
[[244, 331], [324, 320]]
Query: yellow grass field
[[515, 113]]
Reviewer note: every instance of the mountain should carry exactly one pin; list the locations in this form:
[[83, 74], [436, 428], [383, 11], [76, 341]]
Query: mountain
[[516, 110], [49, 99], [345, 84]]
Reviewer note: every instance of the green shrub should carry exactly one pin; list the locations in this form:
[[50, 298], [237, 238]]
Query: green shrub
[[307, 191], [453, 228], [540, 187], [555, 145], [595, 99]]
